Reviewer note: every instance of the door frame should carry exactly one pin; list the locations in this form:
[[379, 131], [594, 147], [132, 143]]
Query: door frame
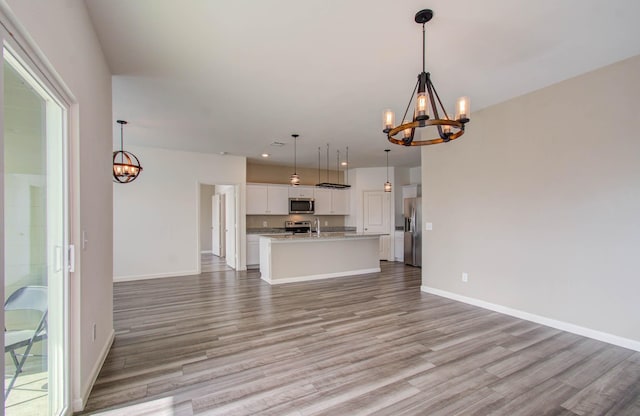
[[238, 263], [22, 51]]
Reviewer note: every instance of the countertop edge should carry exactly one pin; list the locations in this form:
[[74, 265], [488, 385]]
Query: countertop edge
[[311, 238]]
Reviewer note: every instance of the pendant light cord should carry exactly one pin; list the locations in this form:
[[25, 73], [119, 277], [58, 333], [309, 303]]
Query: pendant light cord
[[424, 53], [387, 152]]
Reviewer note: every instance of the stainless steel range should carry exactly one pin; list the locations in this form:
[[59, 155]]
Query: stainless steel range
[[298, 227]]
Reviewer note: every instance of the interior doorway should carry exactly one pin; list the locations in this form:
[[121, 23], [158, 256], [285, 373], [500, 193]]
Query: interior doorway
[[218, 229]]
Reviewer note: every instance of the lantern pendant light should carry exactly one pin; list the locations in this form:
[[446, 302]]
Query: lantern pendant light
[[294, 179], [126, 166], [387, 184]]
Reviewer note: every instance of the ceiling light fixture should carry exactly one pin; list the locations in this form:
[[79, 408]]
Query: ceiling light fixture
[[387, 184], [449, 128], [265, 155], [294, 179], [126, 166], [333, 185]]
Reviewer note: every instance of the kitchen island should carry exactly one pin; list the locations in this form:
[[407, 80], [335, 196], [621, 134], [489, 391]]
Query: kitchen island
[[301, 257]]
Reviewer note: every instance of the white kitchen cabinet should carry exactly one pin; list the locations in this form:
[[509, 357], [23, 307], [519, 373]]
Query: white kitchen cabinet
[[384, 247], [301, 192], [331, 201], [340, 201], [398, 245], [253, 250], [265, 199], [322, 201], [278, 199]]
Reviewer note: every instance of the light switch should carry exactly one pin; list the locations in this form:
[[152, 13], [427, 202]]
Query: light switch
[[428, 226]]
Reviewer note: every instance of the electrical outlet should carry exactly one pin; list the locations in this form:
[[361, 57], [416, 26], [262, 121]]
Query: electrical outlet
[[326, 223], [94, 331], [264, 224], [428, 226], [465, 277]]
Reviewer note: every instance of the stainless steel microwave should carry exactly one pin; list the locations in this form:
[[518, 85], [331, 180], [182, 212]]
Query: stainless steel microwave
[[301, 205]]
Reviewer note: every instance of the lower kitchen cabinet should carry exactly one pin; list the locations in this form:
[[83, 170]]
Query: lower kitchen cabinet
[[253, 251], [398, 243]]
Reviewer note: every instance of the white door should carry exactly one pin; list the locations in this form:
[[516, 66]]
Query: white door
[[230, 227], [223, 225], [376, 218], [215, 225]]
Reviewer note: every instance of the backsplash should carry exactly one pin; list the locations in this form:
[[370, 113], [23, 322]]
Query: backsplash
[[277, 221]]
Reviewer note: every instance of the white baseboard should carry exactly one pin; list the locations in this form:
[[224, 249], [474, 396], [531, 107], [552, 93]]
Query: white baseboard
[[321, 276], [206, 252], [153, 276], [80, 402], [564, 326]]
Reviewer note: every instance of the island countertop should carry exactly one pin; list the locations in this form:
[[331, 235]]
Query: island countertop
[[322, 236]]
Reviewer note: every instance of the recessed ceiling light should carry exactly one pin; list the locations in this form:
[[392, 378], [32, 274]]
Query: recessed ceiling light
[[344, 163], [265, 155], [223, 153], [277, 144]]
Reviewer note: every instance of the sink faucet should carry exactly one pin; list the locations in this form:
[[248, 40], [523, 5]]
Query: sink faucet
[[317, 224]]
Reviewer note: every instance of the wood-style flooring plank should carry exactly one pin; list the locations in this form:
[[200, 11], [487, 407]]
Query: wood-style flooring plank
[[227, 343]]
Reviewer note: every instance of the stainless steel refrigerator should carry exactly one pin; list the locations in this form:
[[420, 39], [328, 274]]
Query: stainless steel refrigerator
[[412, 231]]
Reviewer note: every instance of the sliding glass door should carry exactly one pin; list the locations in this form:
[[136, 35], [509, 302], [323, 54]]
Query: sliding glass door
[[35, 272]]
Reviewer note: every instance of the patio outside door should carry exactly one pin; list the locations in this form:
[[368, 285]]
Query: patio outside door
[[35, 224]]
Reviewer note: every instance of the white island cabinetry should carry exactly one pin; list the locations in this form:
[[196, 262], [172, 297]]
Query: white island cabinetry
[[266, 199], [294, 258]]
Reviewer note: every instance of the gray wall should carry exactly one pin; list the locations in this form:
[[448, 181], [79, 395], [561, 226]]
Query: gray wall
[[540, 201], [206, 193]]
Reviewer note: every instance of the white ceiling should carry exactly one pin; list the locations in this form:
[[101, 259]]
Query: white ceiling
[[236, 75]]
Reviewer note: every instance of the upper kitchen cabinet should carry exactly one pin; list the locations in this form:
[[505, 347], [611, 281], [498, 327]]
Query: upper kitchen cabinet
[[264, 199], [301, 192], [331, 201]]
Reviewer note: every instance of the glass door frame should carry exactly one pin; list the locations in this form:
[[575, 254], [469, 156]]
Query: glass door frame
[[19, 51]]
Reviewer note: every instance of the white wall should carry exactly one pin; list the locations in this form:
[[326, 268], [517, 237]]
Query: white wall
[[369, 179], [415, 174], [156, 217], [62, 33], [366, 179], [539, 202]]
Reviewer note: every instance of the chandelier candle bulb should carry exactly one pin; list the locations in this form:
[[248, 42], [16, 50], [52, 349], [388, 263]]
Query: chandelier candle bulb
[[421, 106], [407, 133], [462, 107], [388, 120]]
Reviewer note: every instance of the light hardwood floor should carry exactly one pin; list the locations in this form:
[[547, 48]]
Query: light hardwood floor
[[226, 343]]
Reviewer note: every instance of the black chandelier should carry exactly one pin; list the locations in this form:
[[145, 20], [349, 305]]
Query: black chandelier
[[126, 166], [448, 127]]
